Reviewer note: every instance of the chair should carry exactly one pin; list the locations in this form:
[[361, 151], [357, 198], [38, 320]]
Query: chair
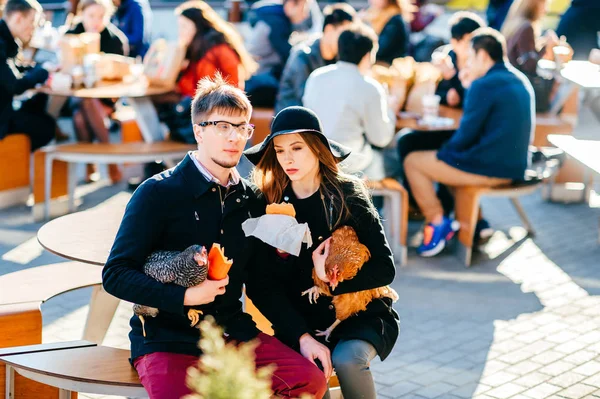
[[261, 118]]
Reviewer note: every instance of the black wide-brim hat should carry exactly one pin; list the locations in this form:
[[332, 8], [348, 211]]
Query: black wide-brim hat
[[292, 120]]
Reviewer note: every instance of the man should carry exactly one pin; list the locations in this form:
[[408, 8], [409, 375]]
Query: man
[[308, 56], [489, 148], [452, 57], [272, 22], [354, 108], [16, 28], [134, 19], [201, 201]]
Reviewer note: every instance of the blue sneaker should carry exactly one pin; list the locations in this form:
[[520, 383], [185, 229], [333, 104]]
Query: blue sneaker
[[436, 236]]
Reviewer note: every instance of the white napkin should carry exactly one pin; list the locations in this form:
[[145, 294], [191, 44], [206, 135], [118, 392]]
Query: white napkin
[[280, 231]]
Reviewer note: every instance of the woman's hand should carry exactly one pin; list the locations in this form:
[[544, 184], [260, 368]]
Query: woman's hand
[[312, 349], [205, 292], [319, 256]]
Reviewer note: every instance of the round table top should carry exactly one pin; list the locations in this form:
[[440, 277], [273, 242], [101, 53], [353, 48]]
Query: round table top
[[446, 112], [85, 236], [158, 148], [114, 89]]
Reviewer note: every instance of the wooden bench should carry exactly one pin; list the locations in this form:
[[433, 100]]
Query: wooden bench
[[21, 387], [75, 367], [395, 219], [15, 152], [466, 209], [24, 291], [261, 119]]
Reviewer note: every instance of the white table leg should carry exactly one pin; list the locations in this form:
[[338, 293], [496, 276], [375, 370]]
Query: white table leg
[[102, 310], [147, 119], [10, 382], [47, 184], [72, 183], [563, 93]]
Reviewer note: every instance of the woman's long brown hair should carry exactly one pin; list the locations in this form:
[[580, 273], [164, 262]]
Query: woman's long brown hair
[[271, 179], [212, 30], [520, 12]]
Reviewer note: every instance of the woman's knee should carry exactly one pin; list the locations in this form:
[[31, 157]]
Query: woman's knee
[[317, 384], [353, 355]]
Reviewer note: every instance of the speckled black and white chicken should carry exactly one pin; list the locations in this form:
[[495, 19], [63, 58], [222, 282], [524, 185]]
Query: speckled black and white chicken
[[187, 268]]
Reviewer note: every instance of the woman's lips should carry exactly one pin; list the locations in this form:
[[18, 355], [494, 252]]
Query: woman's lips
[[291, 171]]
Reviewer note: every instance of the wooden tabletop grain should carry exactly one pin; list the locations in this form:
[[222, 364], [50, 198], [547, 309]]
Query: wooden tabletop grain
[[446, 112], [108, 89]]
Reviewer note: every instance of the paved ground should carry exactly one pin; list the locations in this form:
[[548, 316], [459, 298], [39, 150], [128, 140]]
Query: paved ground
[[523, 322]]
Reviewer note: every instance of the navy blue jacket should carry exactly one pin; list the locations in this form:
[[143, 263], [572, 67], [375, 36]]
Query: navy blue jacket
[[496, 127], [172, 211], [393, 40], [134, 19]]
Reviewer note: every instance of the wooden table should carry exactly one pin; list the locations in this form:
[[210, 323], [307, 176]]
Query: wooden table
[[76, 368], [137, 94], [105, 153], [88, 237], [445, 112]]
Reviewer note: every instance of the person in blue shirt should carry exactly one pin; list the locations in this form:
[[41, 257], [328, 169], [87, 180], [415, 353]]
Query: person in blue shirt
[[134, 19], [490, 147]]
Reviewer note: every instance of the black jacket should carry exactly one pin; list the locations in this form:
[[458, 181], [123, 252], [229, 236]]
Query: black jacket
[[172, 211], [280, 300], [12, 81], [303, 60], [112, 40], [393, 40]]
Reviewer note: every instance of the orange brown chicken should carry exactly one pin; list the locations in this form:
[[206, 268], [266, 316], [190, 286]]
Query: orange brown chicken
[[346, 257]]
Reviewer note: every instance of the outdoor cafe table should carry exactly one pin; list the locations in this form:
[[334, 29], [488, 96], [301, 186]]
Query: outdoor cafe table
[[88, 237], [582, 74], [137, 95], [446, 112]]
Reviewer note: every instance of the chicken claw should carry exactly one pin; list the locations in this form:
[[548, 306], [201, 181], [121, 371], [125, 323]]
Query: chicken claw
[[313, 294], [328, 332], [194, 316]]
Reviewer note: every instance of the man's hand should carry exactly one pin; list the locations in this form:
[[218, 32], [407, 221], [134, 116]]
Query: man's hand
[[312, 349], [452, 98], [205, 292]]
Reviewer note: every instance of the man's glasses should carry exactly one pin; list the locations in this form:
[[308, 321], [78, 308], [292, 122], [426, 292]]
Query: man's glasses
[[224, 128]]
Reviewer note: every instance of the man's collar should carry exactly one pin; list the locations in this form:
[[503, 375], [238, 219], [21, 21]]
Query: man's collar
[[234, 175], [12, 48]]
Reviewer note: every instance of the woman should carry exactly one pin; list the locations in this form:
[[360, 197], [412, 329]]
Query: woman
[[297, 164], [213, 47], [390, 19], [525, 44], [89, 119]]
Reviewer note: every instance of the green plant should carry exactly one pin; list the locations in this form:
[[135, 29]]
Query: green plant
[[226, 370]]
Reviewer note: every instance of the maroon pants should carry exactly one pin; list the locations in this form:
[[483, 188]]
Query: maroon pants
[[163, 374]]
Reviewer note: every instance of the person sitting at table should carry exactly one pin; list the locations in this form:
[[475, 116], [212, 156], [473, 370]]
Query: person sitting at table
[[16, 27], [134, 19], [450, 59], [89, 118], [213, 47], [354, 109], [580, 24], [390, 19], [310, 55], [526, 45], [489, 148]]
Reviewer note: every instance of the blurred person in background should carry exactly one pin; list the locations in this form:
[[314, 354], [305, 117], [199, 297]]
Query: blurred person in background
[[89, 118], [390, 19], [272, 22], [450, 59], [496, 12], [134, 19], [526, 45], [310, 55], [581, 25], [20, 18]]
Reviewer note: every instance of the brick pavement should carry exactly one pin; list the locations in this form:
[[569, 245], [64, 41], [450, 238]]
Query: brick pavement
[[523, 322]]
